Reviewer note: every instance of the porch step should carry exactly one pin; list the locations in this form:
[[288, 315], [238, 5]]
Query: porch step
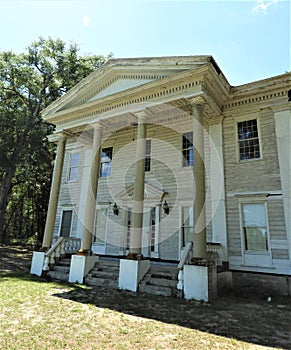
[[161, 280], [104, 274], [61, 270]]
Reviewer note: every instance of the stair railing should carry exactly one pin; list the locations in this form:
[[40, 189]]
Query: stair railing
[[186, 256], [60, 247]]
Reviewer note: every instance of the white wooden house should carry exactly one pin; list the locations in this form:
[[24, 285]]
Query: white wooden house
[[161, 159]]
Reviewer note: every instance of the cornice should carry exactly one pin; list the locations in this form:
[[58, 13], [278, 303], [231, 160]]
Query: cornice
[[268, 92]]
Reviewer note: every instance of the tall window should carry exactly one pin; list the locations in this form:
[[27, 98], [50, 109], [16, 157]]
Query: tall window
[[106, 162], [128, 228], [187, 225], [248, 140], [254, 225], [187, 149], [66, 223], [100, 227], [74, 166], [148, 156], [153, 228]]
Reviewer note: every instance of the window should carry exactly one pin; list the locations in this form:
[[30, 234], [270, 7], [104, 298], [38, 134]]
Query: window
[[74, 166], [148, 156], [106, 162], [187, 149], [66, 223], [100, 229], [248, 140], [128, 228], [187, 225], [254, 226], [153, 229]]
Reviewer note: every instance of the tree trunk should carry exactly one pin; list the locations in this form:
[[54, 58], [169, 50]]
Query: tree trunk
[[5, 187]]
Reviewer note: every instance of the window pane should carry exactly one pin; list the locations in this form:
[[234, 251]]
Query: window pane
[[187, 149], [106, 162], [256, 238], [248, 138], [74, 164], [254, 215], [66, 223], [148, 156], [255, 227], [100, 226]]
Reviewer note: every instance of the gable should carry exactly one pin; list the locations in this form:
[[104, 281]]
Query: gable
[[121, 75], [151, 194]]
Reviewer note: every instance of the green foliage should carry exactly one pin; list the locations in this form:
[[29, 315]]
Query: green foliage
[[29, 82]]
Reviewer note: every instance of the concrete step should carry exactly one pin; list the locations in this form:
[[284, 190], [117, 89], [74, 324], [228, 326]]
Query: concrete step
[[105, 274], [58, 276], [102, 282], [61, 268], [159, 290], [101, 273], [161, 282]]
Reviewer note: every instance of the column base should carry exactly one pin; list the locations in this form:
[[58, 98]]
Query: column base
[[200, 282], [131, 273], [80, 267], [37, 263]]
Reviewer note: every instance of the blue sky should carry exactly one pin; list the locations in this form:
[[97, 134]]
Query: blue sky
[[250, 40]]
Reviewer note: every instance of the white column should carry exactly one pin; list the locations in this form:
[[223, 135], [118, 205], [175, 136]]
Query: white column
[[138, 196], [199, 239], [54, 194], [92, 190], [283, 134], [218, 213]]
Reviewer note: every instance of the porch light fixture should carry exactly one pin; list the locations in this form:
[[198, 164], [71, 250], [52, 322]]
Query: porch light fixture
[[115, 209], [166, 208]]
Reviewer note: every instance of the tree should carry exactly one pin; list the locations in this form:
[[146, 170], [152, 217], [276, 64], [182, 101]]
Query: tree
[[29, 82]]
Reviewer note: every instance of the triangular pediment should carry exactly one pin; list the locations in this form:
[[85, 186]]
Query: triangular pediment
[[151, 194], [122, 75]]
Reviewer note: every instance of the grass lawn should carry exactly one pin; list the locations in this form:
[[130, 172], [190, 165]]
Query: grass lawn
[[39, 314]]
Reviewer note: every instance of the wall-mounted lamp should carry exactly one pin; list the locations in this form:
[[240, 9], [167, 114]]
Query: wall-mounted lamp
[[115, 209], [166, 208]]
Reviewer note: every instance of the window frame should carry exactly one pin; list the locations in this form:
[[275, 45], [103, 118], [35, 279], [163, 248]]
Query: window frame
[[255, 258], [71, 222], [247, 119], [109, 173], [185, 161], [76, 178], [148, 151]]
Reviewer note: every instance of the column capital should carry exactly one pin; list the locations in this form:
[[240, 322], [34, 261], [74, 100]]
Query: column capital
[[60, 136], [197, 101], [215, 120], [141, 116]]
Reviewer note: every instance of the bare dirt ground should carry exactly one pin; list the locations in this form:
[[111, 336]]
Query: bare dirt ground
[[252, 319]]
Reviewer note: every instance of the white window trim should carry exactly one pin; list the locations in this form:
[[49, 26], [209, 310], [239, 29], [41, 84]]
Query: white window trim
[[253, 257], [182, 149], [69, 167], [246, 118], [61, 219], [100, 208]]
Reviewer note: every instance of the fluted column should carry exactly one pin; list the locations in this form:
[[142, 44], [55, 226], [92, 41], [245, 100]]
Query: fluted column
[[199, 239], [138, 196], [92, 189], [54, 194]]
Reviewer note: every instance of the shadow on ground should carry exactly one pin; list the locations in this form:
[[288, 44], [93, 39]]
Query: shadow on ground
[[253, 319]]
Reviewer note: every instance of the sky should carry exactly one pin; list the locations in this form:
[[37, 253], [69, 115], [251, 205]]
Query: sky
[[250, 40]]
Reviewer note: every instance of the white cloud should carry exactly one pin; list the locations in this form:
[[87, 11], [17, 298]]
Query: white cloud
[[86, 21], [263, 6]]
